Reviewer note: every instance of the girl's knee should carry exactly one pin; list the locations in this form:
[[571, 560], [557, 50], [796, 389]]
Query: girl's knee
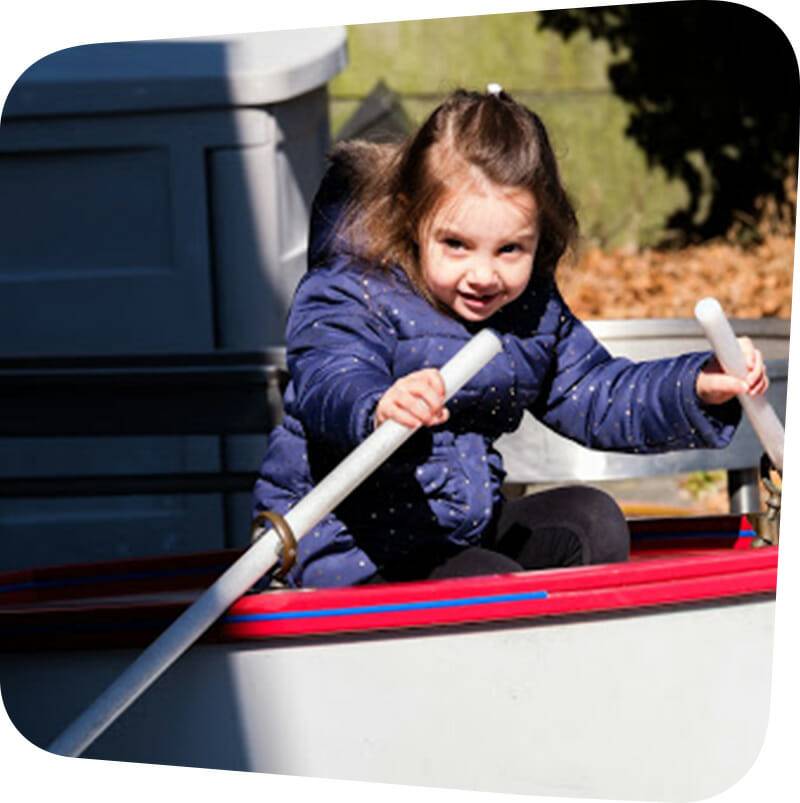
[[608, 535], [601, 503]]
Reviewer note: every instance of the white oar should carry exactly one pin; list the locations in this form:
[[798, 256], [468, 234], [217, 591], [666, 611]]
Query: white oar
[[259, 559], [765, 422]]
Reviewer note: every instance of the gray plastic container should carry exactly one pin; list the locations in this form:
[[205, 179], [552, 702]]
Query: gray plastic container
[[155, 199], [156, 194]]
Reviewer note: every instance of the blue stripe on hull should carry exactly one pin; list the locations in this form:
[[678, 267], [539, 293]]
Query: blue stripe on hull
[[389, 608]]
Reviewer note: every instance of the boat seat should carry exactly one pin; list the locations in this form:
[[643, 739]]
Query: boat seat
[[220, 393]]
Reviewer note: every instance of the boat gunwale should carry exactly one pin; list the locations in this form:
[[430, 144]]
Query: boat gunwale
[[660, 578]]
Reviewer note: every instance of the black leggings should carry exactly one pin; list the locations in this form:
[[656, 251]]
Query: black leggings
[[570, 526]]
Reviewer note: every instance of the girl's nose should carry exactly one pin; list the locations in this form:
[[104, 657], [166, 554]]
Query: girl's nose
[[481, 274]]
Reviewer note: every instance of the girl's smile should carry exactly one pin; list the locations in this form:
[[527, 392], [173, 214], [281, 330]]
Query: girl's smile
[[477, 251]]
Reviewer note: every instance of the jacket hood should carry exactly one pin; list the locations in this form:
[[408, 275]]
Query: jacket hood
[[326, 209]]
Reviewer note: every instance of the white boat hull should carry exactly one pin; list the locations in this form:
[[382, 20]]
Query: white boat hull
[[666, 703]]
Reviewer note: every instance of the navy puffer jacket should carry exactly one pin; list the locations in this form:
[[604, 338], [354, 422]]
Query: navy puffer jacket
[[354, 329]]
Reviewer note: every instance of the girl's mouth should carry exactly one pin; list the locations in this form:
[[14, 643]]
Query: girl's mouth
[[478, 300]]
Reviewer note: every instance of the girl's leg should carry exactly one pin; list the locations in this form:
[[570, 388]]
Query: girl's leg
[[567, 526], [468, 562], [472, 561]]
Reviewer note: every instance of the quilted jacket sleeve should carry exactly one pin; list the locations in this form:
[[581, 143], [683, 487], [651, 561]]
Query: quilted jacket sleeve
[[339, 354], [615, 404]]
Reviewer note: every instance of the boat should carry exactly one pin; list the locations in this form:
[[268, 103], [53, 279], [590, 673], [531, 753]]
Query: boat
[[648, 679]]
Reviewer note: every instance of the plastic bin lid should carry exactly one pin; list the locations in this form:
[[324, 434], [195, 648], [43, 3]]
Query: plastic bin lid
[[235, 70]]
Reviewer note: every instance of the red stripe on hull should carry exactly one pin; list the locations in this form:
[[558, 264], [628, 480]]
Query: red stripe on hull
[[137, 619], [558, 603]]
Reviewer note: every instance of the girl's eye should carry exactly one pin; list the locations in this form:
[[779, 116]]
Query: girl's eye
[[452, 242], [509, 248]]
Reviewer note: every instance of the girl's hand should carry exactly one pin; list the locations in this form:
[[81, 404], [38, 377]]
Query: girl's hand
[[714, 386], [415, 400]]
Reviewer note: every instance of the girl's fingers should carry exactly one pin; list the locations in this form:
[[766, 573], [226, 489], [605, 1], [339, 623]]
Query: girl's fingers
[[757, 379], [756, 383], [755, 361], [759, 385], [404, 413], [416, 400], [405, 418], [431, 400], [424, 406], [717, 388], [392, 407], [750, 356], [411, 408], [724, 383], [426, 389], [436, 381], [430, 384], [714, 386]]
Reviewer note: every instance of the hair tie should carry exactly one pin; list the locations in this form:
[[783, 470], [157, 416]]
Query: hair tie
[[494, 89]]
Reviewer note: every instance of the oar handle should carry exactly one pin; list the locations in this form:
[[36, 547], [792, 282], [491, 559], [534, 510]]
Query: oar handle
[[259, 559], [720, 334]]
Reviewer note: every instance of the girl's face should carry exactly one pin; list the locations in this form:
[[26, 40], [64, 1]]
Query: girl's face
[[476, 251]]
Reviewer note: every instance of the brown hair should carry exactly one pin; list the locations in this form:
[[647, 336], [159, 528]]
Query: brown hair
[[396, 187]]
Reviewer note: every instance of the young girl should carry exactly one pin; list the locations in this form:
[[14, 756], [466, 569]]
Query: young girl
[[414, 248]]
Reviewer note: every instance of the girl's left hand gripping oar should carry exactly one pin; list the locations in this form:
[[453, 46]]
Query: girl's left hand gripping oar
[[260, 558], [765, 421]]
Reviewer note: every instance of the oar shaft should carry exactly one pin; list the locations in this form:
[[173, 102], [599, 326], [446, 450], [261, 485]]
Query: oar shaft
[[168, 647], [765, 421], [258, 560]]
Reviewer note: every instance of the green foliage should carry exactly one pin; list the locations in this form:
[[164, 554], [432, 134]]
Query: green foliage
[[714, 95], [430, 57], [701, 483]]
